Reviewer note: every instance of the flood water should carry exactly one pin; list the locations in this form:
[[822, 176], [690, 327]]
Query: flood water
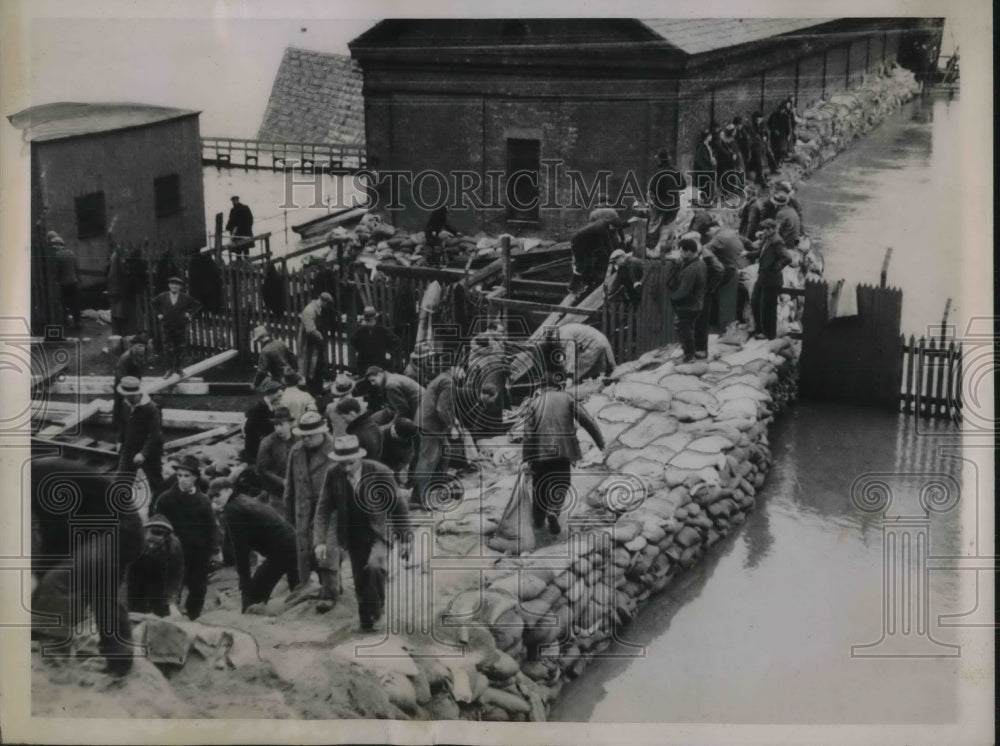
[[899, 186], [761, 629]]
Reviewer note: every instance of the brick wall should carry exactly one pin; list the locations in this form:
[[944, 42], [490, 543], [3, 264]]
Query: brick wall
[[810, 80], [858, 63], [876, 50], [779, 84], [836, 69]]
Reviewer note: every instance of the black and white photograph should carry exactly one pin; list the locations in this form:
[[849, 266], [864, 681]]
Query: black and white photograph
[[497, 373]]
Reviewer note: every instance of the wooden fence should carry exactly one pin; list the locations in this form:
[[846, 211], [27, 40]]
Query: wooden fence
[[931, 378]]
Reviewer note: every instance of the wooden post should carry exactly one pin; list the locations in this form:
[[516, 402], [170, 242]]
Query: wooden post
[[640, 226], [505, 244], [218, 236], [885, 266], [944, 319]]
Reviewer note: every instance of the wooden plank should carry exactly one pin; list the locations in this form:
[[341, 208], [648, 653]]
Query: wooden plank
[[104, 386], [918, 405], [83, 413], [531, 306], [50, 373], [102, 453], [221, 433], [191, 370]]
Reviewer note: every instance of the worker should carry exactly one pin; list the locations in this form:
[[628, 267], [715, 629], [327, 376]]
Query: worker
[[258, 422], [787, 218], [193, 520], [307, 467], [361, 425], [587, 351], [397, 445], [551, 447], [591, 247], [272, 457], [437, 421], [342, 386], [728, 246], [156, 578], [664, 197], [314, 331], [401, 395], [298, 401], [67, 275], [174, 309], [240, 226], [704, 169], [141, 444], [372, 342], [275, 357], [83, 569], [626, 272], [437, 222], [131, 363], [714, 274], [772, 257], [358, 510], [252, 526], [422, 366], [686, 284]]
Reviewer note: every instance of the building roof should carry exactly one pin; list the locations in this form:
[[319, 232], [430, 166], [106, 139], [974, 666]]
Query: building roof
[[70, 119], [698, 35], [316, 98]]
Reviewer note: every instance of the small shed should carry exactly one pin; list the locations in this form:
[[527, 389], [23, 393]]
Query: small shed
[[131, 169]]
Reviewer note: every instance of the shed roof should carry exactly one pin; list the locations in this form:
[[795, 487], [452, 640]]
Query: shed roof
[[71, 119], [316, 97], [699, 35]]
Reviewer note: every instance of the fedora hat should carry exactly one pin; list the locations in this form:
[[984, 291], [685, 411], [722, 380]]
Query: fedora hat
[[189, 463], [282, 414], [259, 332], [342, 386], [310, 423], [370, 312], [422, 351], [346, 448], [616, 254], [129, 385]]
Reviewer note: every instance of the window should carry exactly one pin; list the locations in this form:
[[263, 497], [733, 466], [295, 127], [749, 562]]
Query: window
[[167, 195], [90, 217], [522, 192]]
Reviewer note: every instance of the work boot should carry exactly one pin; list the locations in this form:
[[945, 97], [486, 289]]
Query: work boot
[[701, 355]]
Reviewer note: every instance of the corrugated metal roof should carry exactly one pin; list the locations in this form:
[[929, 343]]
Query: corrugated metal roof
[[70, 119], [698, 35], [316, 97]]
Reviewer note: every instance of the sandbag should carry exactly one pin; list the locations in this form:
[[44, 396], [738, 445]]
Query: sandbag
[[648, 429], [643, 395], [515, 523]]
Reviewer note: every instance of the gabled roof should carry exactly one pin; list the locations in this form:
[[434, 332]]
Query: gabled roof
[[316, 98], [70, 119], [698, 35]]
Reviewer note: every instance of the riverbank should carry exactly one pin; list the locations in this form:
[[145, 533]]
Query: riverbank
[[688, 450]]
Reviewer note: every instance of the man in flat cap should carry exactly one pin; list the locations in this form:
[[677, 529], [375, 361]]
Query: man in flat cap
[[174, 308], [373, 342], [275, 357], [258, 424], [240, 226], [314, 331]]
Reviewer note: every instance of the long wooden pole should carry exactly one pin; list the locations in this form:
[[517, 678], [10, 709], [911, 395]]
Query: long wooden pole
[[885, 266], [191, 370]]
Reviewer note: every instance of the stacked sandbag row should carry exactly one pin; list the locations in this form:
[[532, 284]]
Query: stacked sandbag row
[[688, 451]]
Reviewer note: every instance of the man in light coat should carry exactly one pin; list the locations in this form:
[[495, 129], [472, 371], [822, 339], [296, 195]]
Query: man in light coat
[[313, 333]]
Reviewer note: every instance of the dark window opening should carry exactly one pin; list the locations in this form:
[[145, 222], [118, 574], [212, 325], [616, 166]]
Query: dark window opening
[[167, 195], [523, 164], [90, 216]]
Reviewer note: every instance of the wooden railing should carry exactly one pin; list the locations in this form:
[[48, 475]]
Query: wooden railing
[[241, 153], [932, 378]]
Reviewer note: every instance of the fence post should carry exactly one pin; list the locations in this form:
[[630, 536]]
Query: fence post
[[218, 236], [505, 243]]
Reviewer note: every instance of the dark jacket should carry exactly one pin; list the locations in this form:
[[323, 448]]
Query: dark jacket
[[437, 406], [66, 270], [728, 157], [275, 358], [591, 247], [156, 578], [368, 434], [727, 246], [258, 425], [754, 214], [789, 226], [255, 526], [192, 517], [687, 286], [550, 427], [303, 482], [628, 281], [272, 462], [358, 520], [402, 395], [774, 257], [240, 221], [175, 315], [704, 158], [372, 343], [396, 452], [714, 271], [128, 365], [142, 434], [665, 187]]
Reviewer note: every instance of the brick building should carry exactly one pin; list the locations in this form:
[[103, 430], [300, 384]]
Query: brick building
[[492, 97]]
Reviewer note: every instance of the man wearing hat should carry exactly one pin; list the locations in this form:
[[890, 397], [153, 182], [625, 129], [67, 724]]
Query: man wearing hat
[[190, 513], [275, 357], [131, 363], [664, 197], [729, 167], [272, 457], [141, 444], [313, 332], [715, 273], [307, 467], [298, 401], [401, 397], [156, 578], [240, 226], [359, 509], [258, 423], [174, 309], [421, 366], [253, 526], [773, 257], [437, 422], [591, 248], [626, 272], [341, 387], [67, 275], [704, 168], [789, 227], [360, 425], [687, 292], [587, 352], [373, 343]]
